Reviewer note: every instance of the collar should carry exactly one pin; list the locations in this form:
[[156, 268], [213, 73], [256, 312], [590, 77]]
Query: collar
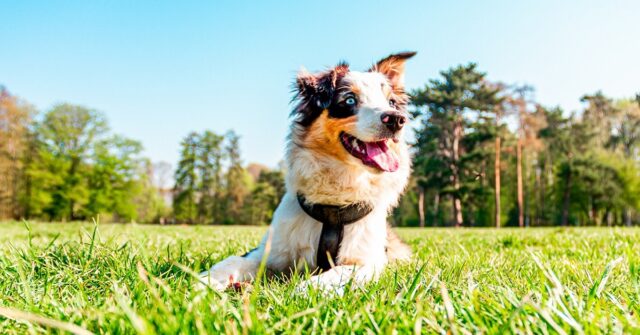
[[334, 214], [333, 219]]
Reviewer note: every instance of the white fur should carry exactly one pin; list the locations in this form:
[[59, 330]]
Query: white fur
[[294, 236], [373, 103]]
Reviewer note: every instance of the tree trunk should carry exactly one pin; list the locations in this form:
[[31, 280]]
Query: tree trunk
[[593, 214], [457, 204], [497, 181], [458, 211], [566, 200], [72, 175], [606, 217], [436, 209], [627, 217], [541, 194], [519, 178], [421, 205]]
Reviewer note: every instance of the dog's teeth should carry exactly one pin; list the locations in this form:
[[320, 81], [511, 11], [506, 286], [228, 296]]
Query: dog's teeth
[[354, 143]]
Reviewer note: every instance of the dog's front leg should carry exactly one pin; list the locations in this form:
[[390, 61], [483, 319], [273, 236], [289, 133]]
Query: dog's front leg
[[233, 269], [335, 279]]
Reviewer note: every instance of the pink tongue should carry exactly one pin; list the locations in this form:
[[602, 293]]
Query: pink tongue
[[379, 155]]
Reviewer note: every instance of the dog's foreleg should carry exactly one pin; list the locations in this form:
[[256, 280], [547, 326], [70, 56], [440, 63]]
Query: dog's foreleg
[[339, 276], [233, 269]]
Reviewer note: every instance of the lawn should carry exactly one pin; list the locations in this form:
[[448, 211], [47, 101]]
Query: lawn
[[139, 279]]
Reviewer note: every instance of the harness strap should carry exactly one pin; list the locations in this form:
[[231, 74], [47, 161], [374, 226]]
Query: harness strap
[[333, 219]]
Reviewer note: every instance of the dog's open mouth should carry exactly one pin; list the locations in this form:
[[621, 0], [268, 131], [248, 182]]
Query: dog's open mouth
[[375, 154]]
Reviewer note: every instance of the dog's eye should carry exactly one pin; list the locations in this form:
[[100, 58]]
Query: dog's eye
[[350, 101], [393, 103]]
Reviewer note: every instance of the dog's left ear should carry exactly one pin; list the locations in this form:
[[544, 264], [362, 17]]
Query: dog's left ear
[[318, 89], [393, 67]]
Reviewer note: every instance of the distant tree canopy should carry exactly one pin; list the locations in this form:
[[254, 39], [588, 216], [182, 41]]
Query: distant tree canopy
[[71, 168], [15, 121], [485, 154], [213, 187]]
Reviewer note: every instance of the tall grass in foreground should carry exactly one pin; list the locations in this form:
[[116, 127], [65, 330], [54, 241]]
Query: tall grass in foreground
[[121, 279]]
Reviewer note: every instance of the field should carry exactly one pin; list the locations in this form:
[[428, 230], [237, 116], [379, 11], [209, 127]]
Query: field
[[121, 279]]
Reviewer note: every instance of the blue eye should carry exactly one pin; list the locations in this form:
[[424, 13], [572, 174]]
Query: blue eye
[[350, 101]]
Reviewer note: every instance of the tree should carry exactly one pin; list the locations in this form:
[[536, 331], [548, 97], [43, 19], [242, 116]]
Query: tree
[[265, 196], [625, 128], [521, 105], [625, 135], [451, 103], [15, 120], [186, 180], [598, 117], [149, 203], [236, 179], [75, 170], [499, 110], [209, 169], [66, 138], [116, 180]]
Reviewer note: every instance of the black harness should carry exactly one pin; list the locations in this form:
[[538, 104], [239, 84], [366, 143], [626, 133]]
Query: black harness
[[333, 219]]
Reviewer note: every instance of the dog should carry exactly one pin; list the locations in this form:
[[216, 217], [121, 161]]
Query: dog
[[347, 166]]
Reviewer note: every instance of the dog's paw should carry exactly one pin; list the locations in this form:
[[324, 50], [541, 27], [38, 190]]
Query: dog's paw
[[207, 281], [330, 282], [313, 284]]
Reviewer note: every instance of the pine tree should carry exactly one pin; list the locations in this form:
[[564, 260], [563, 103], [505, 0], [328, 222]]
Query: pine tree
[[450, 103], [186, 181], [209, 169], [236, 179]]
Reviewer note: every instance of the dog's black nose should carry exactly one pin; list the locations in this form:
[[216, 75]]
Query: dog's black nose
[[393, 121]]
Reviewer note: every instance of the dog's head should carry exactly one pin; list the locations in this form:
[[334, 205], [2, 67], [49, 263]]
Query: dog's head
[[356, 117]]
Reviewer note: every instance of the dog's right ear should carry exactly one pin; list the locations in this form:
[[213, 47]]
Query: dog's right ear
[[393, 67]]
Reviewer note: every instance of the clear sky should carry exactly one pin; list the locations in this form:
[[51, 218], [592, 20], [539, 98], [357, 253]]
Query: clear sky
[[159, 69]]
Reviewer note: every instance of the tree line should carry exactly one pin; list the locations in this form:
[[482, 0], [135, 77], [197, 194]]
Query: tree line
[[67, 165], [485, 154], [213, 187]]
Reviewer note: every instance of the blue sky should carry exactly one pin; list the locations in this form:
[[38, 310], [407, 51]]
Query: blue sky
[[159, 69]]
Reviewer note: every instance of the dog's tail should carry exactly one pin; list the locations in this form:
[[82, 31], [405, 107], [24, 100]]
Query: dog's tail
[[396, 249]]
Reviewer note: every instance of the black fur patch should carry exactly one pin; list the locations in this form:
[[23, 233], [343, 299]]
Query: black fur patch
[[339, 109], [317, 92]]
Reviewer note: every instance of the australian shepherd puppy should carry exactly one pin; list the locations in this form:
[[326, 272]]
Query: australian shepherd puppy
[[347, 165]]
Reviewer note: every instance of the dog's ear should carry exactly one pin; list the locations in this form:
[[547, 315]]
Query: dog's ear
[[316, 90], [306, 83], [393, 67]]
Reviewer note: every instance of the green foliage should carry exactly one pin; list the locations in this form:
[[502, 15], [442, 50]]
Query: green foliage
[[264, 198], [77, 171], [451, 142], [212, 186], [185, 206], [237, 184]]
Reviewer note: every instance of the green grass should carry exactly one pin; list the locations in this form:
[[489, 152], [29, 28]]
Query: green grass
[[138, 279]]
